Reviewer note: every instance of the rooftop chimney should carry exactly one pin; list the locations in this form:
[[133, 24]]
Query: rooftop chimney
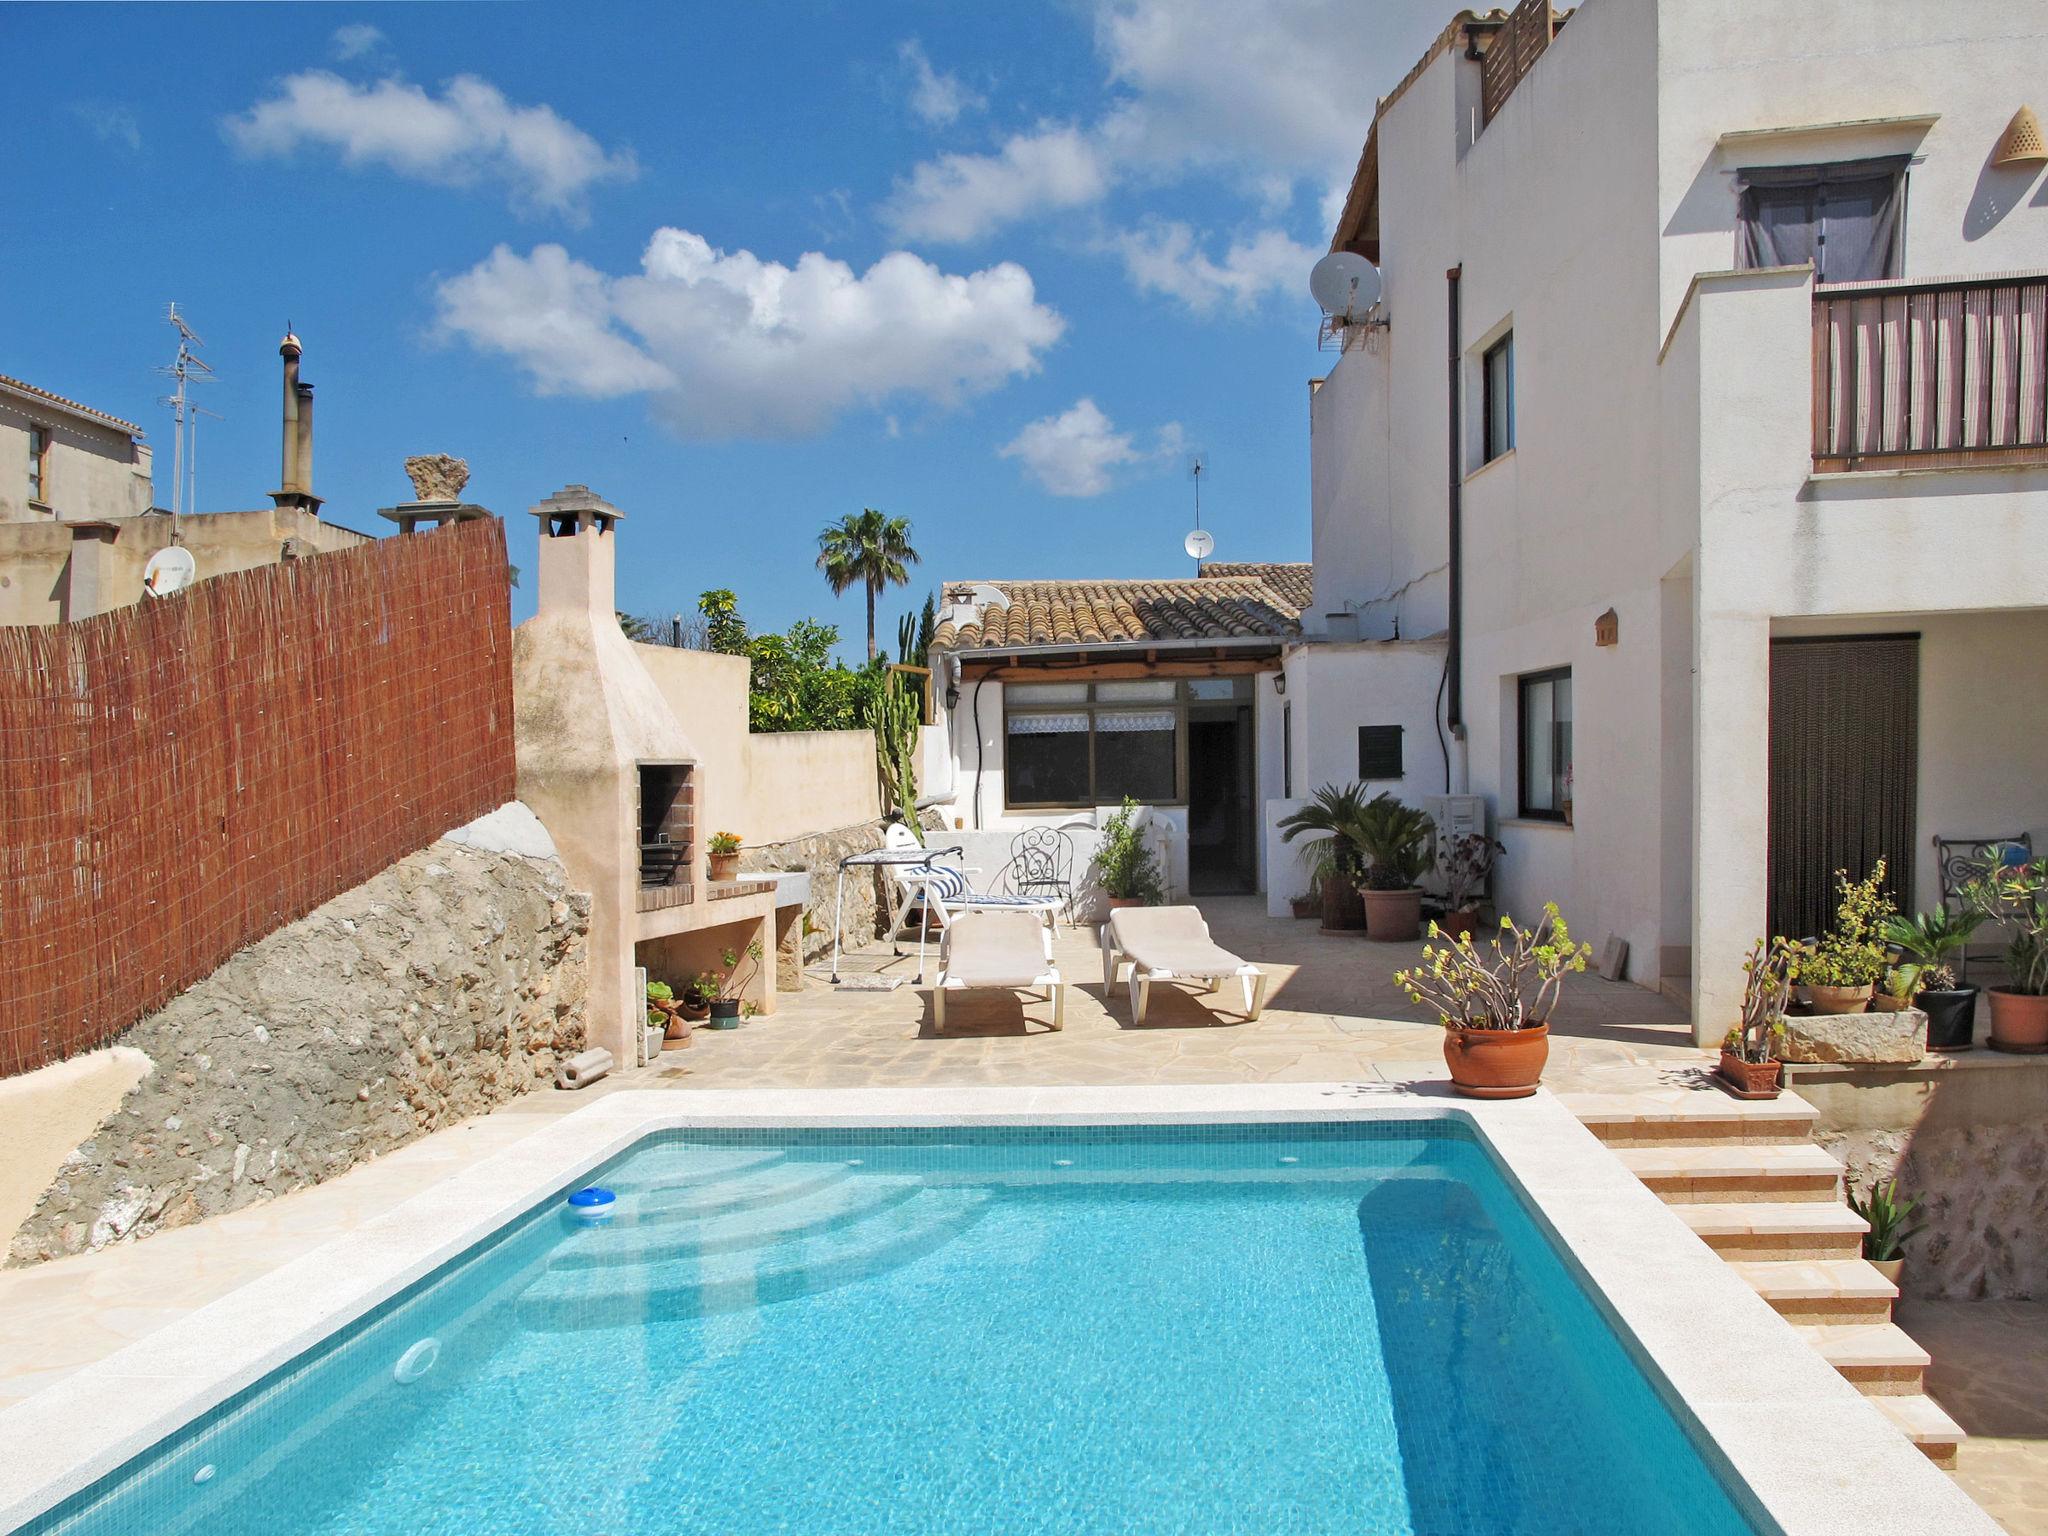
[[576, 562], [295, 490]]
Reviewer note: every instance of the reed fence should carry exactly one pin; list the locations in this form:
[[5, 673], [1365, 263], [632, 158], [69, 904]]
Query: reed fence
[[181, 777]]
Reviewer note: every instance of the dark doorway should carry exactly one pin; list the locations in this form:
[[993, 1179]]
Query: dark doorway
[[1222, 856], [1845, 749]]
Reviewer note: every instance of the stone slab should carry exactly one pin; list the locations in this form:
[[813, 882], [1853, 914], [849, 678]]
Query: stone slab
[[1857, 1037]]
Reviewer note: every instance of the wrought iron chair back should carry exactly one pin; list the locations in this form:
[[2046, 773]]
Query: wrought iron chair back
[[1042, 864], [1961, 860]]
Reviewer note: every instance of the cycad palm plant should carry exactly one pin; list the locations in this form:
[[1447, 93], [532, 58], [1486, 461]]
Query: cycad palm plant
[[868, 549], [1330, 821]]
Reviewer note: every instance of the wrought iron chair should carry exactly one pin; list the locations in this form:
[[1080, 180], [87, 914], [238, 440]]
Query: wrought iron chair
[[1961, 860], [1042, 864]]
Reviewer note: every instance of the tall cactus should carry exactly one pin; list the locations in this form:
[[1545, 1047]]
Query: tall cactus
[[894, 717]]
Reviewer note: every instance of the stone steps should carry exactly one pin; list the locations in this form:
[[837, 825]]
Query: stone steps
[[1799, 1229], [1745, 1176], [1880, 1358], [1726, 1172], [1820, 1290], [1921, 1420]]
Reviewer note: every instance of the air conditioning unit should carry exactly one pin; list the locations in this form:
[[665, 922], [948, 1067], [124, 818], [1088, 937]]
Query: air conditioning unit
[[1454, 816]]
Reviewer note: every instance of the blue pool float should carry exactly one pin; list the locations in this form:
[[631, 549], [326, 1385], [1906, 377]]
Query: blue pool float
[[592, 1206]]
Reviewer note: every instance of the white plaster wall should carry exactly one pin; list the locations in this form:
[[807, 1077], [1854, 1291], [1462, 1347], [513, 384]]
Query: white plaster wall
[[1750, 64], [92, 471]]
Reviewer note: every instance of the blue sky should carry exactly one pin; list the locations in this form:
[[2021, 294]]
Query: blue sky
[[741, 268]]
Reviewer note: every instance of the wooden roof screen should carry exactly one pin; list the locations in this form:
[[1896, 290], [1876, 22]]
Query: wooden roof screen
[[1514, 52]]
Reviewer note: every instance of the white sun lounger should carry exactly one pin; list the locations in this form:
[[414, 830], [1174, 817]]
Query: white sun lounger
[[997, 949], [1171, 944]]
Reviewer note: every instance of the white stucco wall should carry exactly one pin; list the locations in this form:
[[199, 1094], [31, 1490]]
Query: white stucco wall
[[93, 470], [1661, 464]]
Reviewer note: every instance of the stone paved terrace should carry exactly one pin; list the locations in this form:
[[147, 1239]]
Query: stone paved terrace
[[1332, 1014]]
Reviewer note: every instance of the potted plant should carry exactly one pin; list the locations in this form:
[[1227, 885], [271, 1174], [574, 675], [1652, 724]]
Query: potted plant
[[656, 1025], [1331, 854], [1394, 839], [725, 989], [1928, 945], [1844, 968], [1466, 863], [1125, 865], [1495, 1005], [1310, 903], [1749, 1052], [1892, 1222], [2017, 895], [665, 1010], [723, 854]]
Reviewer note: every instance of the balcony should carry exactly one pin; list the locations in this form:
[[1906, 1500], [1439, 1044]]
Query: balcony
[[1943, 374]]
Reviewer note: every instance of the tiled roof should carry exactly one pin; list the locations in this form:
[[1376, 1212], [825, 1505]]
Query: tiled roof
[[21, 386], [1293, 580], [1227, 602]]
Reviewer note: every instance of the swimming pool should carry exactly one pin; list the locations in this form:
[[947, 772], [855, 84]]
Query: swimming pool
[[1348, 1326]]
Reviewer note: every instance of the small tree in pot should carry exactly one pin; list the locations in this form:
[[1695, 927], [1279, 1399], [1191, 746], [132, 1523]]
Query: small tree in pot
[[1750, 1065], [1125, 865], [1394, 838], [1466, 863], [1495, 1004], [1332, 854], [1928, 945], [725, 990], [2017, 895], [1848, 962]]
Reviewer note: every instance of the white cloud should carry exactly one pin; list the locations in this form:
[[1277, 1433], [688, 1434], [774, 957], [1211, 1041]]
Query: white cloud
[[961, 197], [1077, 452], [469, 133], [935, 96], [1166, 258], [355, 40], [1192, 87], [730, 345], [108, 123]]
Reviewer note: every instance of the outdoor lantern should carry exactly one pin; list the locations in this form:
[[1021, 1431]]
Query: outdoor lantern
[[2021, 143], [1279, 682]]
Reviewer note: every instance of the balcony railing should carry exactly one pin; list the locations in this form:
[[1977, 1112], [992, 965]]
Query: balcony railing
[[1926, 375]]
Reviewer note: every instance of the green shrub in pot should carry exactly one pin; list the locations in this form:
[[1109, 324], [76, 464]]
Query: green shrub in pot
[[1928, 945], [1850, 958], [1393, 839], [2016, 895]]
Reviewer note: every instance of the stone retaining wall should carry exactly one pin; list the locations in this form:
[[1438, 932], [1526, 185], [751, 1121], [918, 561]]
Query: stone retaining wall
[[820, 852], [1971, 1142], [444, 986]]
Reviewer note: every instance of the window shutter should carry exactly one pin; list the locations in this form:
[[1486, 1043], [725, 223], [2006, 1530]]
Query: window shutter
[[1379, 751]]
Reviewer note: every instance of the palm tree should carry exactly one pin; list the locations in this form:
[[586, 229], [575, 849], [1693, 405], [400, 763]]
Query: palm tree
[[870, 549]]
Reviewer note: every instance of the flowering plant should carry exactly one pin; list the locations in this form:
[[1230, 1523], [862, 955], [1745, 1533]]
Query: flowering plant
[[1852, 953], [1513, 984], [1769, 972], [723, 843]]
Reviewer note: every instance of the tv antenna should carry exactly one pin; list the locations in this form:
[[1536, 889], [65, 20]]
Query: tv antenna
[[188, 368], [1199, 543]]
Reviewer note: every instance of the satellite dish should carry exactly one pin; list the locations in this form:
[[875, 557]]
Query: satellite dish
[[170, 569], [1200, 544], [987, 595], [1345, 283]]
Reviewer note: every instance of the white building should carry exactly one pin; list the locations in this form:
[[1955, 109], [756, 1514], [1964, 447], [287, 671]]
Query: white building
[[1056, 699], [1700, 462]]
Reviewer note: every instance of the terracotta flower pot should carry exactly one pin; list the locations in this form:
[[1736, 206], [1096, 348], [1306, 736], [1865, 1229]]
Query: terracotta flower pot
[[1497, 1063], [1393, 917], [724, 866], [678, 1028], [2019, 1021], [1750, 1079], [1457, 925], [1117, 903], [1343, 909], [1884, 1002], [1306, 906], [1841, 999]]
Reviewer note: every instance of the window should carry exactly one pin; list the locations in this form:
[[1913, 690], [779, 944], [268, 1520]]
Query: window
[[1545, 734], [1072, 744], [1497, 397], [1379, 752], [1847, 218], [38, 463], [1287, 752]]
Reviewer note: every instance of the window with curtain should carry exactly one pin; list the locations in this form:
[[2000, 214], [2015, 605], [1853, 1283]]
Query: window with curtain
[[1081, 744], [1545, 743], [1497, 399], [1847, 218]]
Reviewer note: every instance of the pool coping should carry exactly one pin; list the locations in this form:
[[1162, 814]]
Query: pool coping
[[1816, 1455]]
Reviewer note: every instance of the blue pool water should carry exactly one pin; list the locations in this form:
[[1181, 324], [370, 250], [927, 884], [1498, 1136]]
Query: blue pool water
[[1299, 1328]]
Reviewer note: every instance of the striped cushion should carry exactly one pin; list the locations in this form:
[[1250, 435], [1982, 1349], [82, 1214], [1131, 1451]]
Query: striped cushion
[[946, 884]]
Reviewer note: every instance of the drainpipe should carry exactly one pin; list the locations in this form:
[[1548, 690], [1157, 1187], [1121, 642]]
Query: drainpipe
[[1454, 656]]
